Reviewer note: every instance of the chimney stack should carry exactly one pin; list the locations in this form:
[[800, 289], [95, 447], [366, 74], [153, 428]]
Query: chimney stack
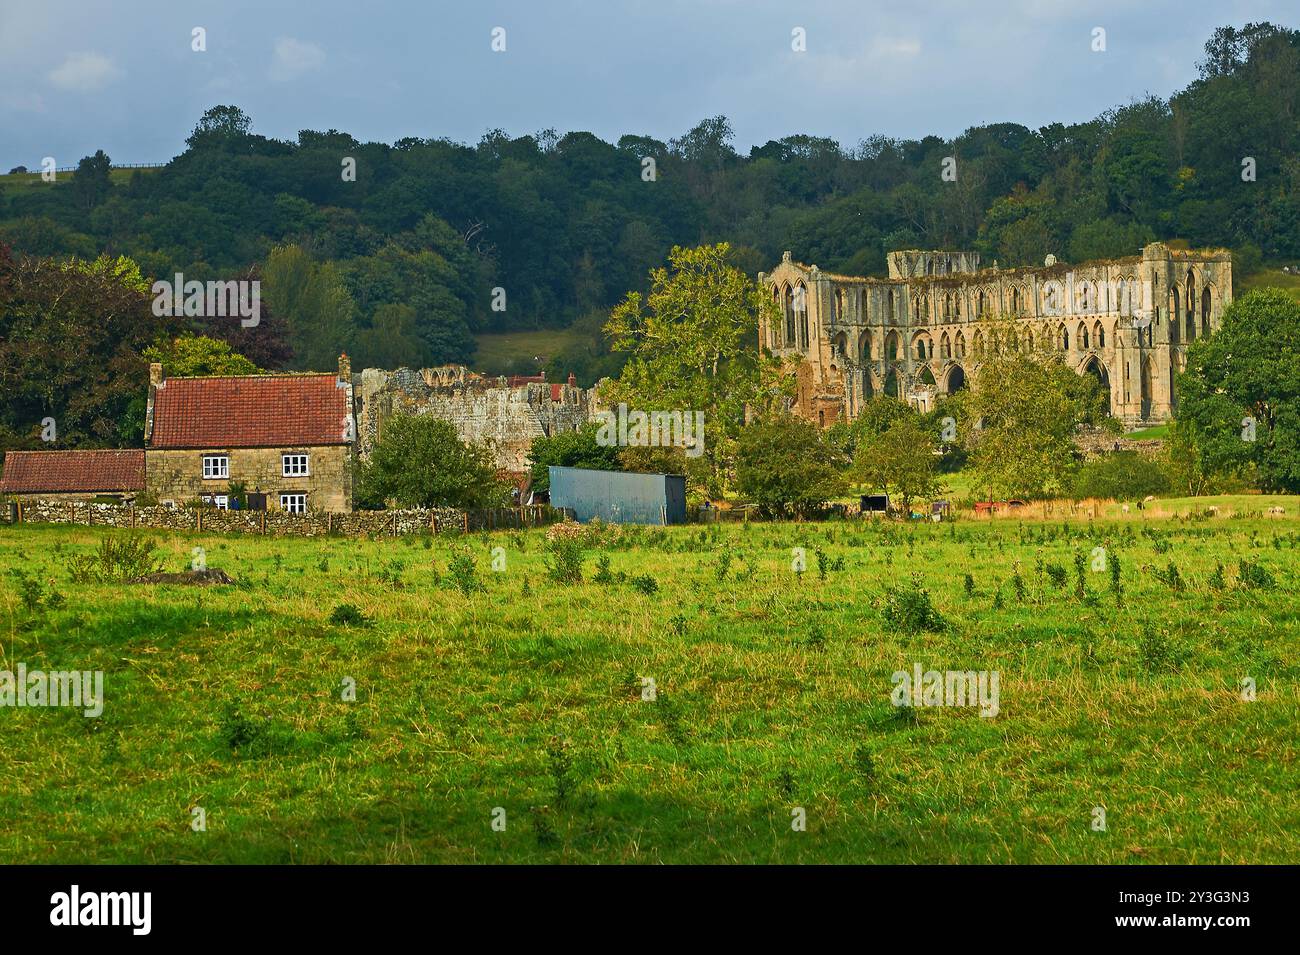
[[573, 380], [345, 369], [155, 374]]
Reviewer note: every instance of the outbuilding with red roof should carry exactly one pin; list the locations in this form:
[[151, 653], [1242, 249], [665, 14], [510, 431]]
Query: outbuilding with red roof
[[73, 475]]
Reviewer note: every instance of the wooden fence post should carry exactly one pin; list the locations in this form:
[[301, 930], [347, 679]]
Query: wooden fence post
[[199, 512], [467, 522], [433, 522]]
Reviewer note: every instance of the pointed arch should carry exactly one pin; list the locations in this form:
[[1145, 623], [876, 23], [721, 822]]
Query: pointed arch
[[864, 347], [945, 346], [891, 347], [787, 306], [891, 383], [801, 309], [1081, 337], [1094, 366], [1147, 385], [956, 379], [840, 345], [959, 345], [922, 347], [1098, 335], [1205, 310]]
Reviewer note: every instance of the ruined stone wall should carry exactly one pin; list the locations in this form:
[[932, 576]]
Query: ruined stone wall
[[925, 331], [484, 410]]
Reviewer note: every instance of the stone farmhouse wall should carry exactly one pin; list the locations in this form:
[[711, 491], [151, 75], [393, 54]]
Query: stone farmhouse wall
[[395, 523], [178, 475]]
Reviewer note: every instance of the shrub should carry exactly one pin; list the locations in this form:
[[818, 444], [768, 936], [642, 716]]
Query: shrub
[[1254, 576], [602, 575], [564, 559], [646, 584], [348, 615], [1123, 475], [463, 574], [1057, 575], [117, 559], [239, 730], [909, 609]]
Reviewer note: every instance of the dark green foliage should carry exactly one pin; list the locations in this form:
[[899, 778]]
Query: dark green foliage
[[1254, 576], [348, 615], [1249, 369], [1123, 475], [118, 558], [910, 610], [570, 449], [564, 559], [420, 461], [786, 464], [463, 574], [645, 584]]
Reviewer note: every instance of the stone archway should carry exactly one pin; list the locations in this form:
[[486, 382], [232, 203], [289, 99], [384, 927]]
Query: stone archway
[[956, 379], [1148, 386], [1093, 366]]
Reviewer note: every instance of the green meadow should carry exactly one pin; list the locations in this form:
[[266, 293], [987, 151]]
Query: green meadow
[[489, 695]]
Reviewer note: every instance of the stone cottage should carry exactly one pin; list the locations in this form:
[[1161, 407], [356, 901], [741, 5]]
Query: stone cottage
[[287, 438]]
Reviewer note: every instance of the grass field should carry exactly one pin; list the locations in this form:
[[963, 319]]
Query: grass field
[[513, 353], [772, 694], [1288, 282]]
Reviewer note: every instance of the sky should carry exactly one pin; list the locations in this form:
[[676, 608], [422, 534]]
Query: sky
[[122, 75]]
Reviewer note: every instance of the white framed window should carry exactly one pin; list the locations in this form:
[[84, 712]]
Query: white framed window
[[294, 465], [220, 501], [293, 503], [216, 467]]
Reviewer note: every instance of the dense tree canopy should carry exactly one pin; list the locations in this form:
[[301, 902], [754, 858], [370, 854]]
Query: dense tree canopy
[[565, 225], [421, 462], [1239, 404]]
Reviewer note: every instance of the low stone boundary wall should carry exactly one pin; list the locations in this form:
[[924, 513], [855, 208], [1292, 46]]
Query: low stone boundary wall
[[395, 523]]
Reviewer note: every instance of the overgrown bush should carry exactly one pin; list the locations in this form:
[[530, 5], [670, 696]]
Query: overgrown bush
[[117, 559], [909, 609], [348, 615], [564, 559], [1123, 475]]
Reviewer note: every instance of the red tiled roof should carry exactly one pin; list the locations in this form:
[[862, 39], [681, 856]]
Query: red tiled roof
[[517, 381], [252, 411], [61, 472]]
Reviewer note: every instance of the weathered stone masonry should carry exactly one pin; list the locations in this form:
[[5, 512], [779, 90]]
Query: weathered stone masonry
[[484, 410], [924, 330]]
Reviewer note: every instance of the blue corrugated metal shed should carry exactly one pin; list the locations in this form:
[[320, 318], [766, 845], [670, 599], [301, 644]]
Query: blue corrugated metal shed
[[620, 497]]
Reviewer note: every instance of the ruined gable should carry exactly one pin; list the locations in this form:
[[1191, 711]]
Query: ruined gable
[[502, 413]]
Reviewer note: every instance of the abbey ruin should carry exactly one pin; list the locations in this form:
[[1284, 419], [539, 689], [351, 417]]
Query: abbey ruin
[[924, 331]]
